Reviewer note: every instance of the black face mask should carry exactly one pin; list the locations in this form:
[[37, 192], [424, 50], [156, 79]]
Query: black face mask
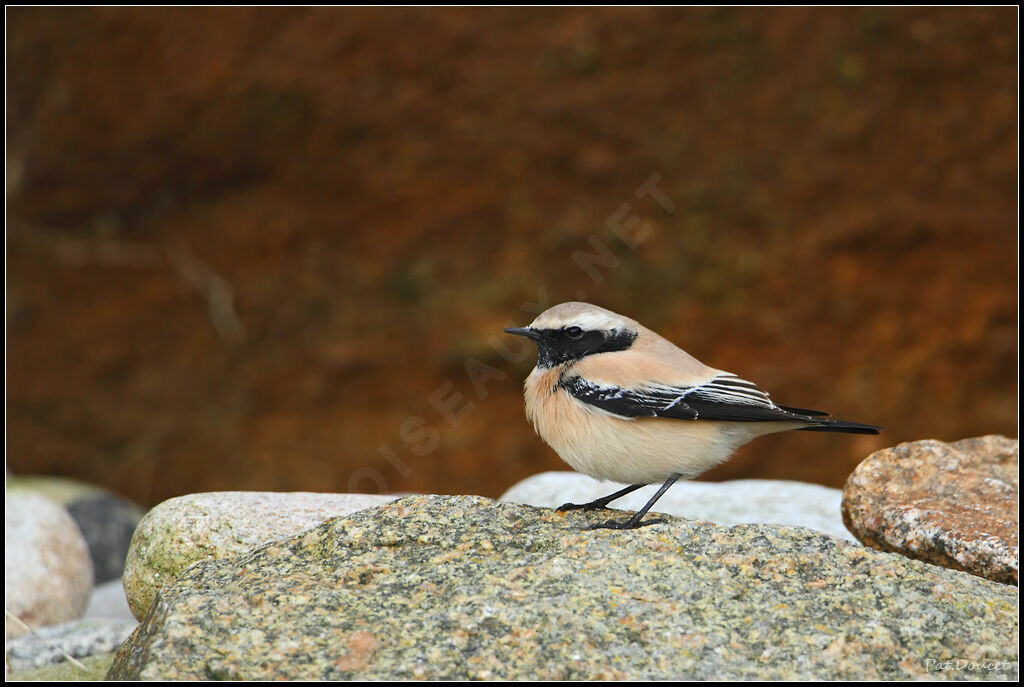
[[569, 344]]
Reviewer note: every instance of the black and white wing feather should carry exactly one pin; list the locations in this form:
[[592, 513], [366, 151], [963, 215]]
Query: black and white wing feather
[[725, 397], [647, 401]]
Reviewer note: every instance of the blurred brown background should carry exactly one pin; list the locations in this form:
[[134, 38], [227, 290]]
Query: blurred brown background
[[246, 246]]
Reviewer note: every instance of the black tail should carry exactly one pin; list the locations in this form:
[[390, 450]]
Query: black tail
[[804, 411], [827, 424], [841, 426]]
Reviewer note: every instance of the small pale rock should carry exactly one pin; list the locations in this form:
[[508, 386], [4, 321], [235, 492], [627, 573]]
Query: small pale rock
[[951, 504], [62, 490], [109, 601], [727, 503], [106, 520], [94, 669], [463, 587], [48, 573], [213, 525], [79, 639]]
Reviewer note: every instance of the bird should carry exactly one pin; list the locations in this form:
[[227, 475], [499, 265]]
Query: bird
[[616, 401]]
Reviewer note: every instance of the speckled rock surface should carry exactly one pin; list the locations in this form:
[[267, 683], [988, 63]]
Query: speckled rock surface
[[736, 502], [47, 570], [951, 504], [456, 587], [212, 525], [79, 638]]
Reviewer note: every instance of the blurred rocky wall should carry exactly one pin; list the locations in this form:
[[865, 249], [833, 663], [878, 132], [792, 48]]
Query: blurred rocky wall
[[258, 248]]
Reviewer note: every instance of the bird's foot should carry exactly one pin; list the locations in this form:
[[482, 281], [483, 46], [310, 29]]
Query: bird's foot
[[593, 505], [601, 503], [631, 524]]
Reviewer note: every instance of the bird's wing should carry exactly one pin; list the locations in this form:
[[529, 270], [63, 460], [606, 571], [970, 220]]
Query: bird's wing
[[647, 401], [722, 397]]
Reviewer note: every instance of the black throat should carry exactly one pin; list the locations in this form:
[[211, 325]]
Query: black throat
[[555, 347]]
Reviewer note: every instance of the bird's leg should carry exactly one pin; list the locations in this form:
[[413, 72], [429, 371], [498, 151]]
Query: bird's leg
[[601, 502], [634, 522]]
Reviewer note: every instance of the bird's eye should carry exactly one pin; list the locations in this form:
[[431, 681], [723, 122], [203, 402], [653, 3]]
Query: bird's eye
[[574, 332]]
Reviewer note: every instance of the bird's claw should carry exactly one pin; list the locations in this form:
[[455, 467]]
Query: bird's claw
[[594, 505], [624, 524]]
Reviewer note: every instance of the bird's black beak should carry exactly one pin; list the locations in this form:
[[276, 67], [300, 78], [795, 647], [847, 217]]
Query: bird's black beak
[[528, 332]]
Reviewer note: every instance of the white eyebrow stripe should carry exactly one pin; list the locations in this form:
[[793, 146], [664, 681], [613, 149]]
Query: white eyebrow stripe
[[588, 321]]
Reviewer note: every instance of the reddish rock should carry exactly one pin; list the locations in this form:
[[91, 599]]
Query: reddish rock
[[951, 504]]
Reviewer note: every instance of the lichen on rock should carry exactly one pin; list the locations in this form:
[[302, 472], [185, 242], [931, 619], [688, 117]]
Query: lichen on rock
[[457, 587]]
